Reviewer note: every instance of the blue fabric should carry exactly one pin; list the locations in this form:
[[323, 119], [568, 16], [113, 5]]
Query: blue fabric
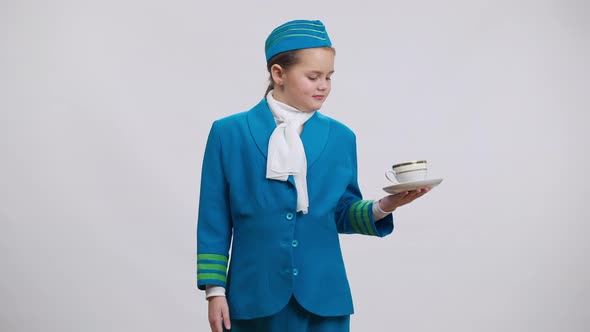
[[295, 35], [277, 252], [293, 318]]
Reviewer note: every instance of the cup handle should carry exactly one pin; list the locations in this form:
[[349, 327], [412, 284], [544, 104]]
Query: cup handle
[[394, 180]]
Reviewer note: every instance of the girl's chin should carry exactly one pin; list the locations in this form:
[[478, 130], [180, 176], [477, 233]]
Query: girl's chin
[[314, 106]]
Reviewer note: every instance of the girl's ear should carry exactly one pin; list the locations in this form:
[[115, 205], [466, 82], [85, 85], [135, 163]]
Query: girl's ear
[[278, 74]]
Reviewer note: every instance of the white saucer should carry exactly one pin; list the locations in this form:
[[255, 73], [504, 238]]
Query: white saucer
[[413, 185]]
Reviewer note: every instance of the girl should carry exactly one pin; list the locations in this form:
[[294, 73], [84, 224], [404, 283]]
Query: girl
[[279, 183]]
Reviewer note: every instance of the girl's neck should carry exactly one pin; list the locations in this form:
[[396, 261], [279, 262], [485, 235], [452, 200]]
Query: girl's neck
[[278, 98]]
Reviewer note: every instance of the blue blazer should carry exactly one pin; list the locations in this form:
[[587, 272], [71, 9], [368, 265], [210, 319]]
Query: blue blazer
[[276, 252]]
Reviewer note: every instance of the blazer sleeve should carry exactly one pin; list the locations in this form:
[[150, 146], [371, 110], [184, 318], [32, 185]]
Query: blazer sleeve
[[214, 227], [355, 215]]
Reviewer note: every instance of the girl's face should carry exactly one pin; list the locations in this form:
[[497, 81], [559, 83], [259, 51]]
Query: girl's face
[[307, 84]]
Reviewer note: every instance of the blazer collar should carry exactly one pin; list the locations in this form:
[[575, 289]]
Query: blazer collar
[[314, 136]]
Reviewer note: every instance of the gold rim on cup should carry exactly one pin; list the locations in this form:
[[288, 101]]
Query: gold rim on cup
[[409, 163], [412, 170]]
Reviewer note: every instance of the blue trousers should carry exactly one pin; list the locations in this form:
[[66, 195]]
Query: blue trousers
[[293, 318]]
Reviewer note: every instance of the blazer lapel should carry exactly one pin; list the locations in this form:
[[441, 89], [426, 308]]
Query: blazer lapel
[[262, 124], [315, 137]]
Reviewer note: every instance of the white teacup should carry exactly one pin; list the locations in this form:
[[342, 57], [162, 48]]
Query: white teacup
[[407, 172]]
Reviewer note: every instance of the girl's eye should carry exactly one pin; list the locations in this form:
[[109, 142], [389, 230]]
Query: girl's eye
[[312, 78], [328, 78]]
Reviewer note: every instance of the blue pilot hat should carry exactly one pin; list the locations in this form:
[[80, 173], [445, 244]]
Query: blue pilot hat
[[296, 35]]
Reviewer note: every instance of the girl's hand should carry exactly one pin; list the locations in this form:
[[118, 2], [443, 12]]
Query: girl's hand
[[218, 314], [392, 202]]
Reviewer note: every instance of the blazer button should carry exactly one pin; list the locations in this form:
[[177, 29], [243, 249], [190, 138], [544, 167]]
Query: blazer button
[[295, 243], [289, 216], [295, 272]]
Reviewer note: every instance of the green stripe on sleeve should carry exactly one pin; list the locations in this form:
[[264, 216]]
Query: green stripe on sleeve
[[357, 219], [360, 216], [366, 218], [210, 276], [212, 257], [352, 219], [215, 267]]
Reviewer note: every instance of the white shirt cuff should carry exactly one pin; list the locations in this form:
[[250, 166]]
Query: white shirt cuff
[[212, 290], [379, 214]]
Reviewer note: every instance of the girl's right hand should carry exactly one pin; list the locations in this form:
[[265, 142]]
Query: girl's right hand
[[392, 202], [219, 314]]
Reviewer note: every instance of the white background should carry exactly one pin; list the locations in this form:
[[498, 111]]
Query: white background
[[105, 108]]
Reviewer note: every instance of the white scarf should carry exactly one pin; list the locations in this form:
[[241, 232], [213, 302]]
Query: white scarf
[[286, 155]]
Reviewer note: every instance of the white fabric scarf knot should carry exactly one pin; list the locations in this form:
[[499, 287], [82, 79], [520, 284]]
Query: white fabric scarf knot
[[286, 155]]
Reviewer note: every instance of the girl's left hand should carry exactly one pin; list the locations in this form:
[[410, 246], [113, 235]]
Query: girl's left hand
[[392, 202]]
